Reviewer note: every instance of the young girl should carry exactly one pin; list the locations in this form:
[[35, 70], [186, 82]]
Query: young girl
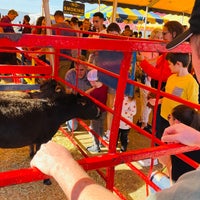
[[99, 92], [191, 117], [128, 111]]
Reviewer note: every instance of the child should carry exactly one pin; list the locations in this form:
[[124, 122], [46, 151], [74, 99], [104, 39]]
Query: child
[[191, 117], [99, 92], [175, 166], [181, 83], [128, 111]]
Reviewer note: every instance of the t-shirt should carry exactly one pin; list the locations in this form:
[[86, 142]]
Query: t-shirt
[[186, 188], [128, 111], [100, 94], [185, 87], [82, 84], [7, 29], [63, 32]]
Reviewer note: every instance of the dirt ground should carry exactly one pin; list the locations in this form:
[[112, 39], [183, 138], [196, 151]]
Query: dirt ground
[[126, 181]]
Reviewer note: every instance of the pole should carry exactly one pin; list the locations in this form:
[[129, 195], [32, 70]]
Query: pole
[[49, 32], [114, 11], [145, 21]]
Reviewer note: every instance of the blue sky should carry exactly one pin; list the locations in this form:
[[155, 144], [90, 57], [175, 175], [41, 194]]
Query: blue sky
[[34, 6]]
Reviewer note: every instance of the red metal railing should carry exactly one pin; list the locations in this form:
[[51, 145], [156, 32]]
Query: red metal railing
[[111, 159]]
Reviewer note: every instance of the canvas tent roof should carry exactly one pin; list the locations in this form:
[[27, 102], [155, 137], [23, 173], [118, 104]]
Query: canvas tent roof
[[180, 6], [125, 13]]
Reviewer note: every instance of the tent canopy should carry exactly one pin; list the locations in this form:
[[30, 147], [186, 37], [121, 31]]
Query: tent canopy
[[178, 6], [125, 14]]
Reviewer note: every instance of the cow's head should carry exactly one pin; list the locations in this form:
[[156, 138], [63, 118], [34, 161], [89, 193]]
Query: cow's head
[[49, 89], [87, 108]]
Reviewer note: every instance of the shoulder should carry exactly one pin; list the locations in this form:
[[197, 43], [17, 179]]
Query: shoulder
[[171, 77], [70, 73]]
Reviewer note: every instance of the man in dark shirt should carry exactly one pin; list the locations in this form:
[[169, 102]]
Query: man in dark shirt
[[65, 63], [8, 58], [26, 21], [12, 14]]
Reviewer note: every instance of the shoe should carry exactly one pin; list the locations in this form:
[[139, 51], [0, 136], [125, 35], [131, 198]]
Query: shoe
[[139, 123], [105, 137], [148, 129], [101, 145], [94, 149]]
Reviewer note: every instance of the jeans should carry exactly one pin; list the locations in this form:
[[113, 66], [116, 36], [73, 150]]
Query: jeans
[[98, 126]]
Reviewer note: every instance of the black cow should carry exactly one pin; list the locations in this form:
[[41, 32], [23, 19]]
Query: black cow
[[34, 118]]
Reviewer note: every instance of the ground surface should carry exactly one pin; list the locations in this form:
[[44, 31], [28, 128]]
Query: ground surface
[[128, 182]]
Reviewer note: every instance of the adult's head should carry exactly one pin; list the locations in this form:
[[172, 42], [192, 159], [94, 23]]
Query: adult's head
[[81, 69], [26, 19], [74, 21], [12, 14], [171, 30], [40, 22], [86, 25], [193, 33], [113, 28], [59, 16], [98, 19], [156, 34], [127, 31]]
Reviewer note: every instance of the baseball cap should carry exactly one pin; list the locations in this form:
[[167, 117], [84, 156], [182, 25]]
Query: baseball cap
[[92, 75], [193, 29]]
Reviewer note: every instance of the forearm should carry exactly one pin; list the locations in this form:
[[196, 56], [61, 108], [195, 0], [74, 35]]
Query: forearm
[[77, 185]]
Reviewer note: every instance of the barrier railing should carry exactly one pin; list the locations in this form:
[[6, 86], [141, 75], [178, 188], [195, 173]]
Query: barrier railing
[[121, 44]]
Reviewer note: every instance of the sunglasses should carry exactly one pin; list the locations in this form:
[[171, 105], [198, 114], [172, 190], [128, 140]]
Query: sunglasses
[[164, 33]]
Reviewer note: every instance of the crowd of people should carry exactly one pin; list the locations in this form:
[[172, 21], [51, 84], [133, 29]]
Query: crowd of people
[[175, 122]]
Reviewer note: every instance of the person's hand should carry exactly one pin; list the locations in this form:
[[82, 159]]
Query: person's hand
[[181, 133], [139, 57], [50, 157]]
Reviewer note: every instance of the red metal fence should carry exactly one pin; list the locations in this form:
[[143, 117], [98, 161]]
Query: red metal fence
[[110, 159]]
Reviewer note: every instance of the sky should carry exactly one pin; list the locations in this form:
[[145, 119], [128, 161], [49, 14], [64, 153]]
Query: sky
[[34, 6]]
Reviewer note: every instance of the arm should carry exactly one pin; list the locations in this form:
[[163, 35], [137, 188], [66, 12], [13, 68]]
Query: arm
[[161, 70], [54, 160], [181, 133], [89, 90], [1, 30]]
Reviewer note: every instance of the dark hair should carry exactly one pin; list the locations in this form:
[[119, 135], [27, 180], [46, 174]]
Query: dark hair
[[27, 18], [127, 26], [59, 13], [174, 27], [74, 20], [113, 27], [184, 58], [39, 23], [187, 115], [99, 14], [135, 33]]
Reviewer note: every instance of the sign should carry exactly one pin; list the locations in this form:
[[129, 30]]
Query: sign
[[73, 8]]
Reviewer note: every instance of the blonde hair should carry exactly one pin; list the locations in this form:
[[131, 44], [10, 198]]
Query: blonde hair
[[156, 34], [12, 12]]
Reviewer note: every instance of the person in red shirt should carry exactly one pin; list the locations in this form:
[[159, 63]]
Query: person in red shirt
[[161, 71], [99, 92]]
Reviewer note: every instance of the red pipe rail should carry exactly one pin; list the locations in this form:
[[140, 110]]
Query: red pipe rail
[[111, 159]]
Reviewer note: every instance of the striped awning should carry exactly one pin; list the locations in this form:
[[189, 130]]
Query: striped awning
[[125, 14]]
